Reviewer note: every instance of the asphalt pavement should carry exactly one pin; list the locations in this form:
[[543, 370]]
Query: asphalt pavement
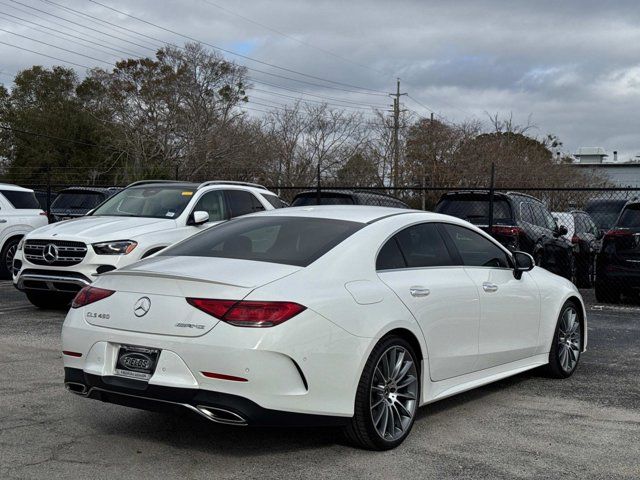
[[527, 426]]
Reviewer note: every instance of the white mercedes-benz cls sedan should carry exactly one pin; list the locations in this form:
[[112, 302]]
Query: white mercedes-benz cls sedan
[[345, 316]]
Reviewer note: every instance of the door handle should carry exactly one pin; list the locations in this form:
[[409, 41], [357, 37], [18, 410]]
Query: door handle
[[489, 287], [419, 291]]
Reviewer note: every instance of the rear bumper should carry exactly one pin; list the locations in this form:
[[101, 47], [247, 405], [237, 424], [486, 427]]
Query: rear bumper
[[217, 407]]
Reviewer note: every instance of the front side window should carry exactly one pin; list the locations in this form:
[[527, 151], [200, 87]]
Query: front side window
[[21, 200], [476, 250], [149, 201], [214, 204], [287, 240]]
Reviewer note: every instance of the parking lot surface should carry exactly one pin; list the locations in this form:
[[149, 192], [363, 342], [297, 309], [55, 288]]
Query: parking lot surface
[[527, 426]]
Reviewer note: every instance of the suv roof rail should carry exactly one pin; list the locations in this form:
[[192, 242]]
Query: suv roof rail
[[145, 182], [526, 195], [231, 182]]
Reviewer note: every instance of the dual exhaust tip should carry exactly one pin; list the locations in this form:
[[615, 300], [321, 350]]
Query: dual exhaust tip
[[214, 414]]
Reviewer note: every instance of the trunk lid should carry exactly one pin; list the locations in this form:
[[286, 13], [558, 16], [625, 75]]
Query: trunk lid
[[151, 295]]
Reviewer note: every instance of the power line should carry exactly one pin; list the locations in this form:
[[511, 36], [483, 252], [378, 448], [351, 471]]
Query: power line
[[45, 55], [230, 52], [24, 23], [83, 26], [85, 34], [291, 37], [55, 46]]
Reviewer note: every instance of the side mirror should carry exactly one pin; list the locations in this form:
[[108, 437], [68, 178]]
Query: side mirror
[[199, 217], [600, 234], [524, 263], [562, 230]]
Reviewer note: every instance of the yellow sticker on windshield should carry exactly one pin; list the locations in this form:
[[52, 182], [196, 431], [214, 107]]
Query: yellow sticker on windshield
[[187, 194]]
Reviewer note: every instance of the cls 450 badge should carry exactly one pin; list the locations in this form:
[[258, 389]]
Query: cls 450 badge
[[103, 316]]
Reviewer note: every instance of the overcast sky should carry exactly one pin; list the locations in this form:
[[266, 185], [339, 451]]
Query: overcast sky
[[573, 66]]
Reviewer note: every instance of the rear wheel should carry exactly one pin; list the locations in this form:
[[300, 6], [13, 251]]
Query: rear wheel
[[567, 343], [6, 257], [387, 397], [49, 300]]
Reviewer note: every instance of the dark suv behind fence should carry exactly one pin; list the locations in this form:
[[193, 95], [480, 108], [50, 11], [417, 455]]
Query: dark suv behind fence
[[618, 265], [520, 222], [605, 211], [75, 202], [346, 197]]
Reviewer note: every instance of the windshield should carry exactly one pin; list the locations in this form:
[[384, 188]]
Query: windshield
[[604, 213], [289, 240], [630, 217], [475, 210], [151, 201], [77, 200]]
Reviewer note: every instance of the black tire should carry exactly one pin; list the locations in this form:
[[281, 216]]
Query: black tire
[[361, 431], [566, 346], [6, 257], [49, 300], [607, 293]]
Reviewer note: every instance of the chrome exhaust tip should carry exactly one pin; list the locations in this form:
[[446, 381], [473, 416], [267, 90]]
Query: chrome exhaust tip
[[220, 415], [77, 388]]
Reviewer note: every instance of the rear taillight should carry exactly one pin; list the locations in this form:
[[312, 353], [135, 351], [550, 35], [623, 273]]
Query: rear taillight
[[510, 230], [90, 295], [248, 313], [618, 232]]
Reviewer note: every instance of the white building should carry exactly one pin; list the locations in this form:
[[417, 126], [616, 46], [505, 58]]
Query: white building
[[621, 174]]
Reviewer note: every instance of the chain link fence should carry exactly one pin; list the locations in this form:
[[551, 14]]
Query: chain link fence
[[590, 236]]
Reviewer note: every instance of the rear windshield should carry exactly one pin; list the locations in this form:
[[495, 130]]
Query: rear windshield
[[289, 240], [77, 200], [630, 217], [153, 201], [274, 200], [604, 213], [306, 199], [21, 200], [475, 210]]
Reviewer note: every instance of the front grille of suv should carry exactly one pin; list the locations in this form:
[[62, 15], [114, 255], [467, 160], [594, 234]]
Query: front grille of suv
[[58, 253]]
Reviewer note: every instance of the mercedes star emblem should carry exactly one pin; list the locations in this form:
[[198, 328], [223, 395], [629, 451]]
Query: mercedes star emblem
[[50, 253], [142, 306]]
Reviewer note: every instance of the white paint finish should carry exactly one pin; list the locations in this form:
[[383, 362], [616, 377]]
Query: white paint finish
[[17, 222], [448, 317], [171, 371], [509, 318], [365, 292], [459, 329]]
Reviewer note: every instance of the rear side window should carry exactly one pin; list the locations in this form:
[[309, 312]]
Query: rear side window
[[21, 200], [242, 203], [288, 240], [77, 200], [274, 200], [630, 217], [414, 247], [476, 250], [475, 209]]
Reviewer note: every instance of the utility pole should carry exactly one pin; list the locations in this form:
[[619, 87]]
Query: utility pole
[[396, 133]]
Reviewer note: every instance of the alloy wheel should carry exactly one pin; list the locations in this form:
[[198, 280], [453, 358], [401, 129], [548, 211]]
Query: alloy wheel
[[8, 258], [394, 391], [569, 339]]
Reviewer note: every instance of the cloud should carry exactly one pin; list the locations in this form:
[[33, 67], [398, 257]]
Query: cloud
[[572, 65]]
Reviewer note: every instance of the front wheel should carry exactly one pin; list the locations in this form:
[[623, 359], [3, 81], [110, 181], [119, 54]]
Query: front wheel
[[567, 343], [387, 397], [6, 257], [49, 300]]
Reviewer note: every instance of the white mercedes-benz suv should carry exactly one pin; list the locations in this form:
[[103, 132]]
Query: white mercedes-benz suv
[[20, 213], [53, 263]]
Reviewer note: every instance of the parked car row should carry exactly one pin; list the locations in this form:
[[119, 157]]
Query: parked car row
[[129, 224]]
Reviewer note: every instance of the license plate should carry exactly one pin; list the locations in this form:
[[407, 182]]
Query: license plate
[[136, 362]]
